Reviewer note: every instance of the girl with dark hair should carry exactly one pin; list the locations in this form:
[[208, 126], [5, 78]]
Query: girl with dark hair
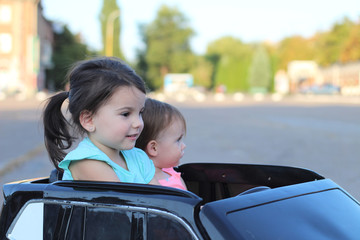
[[106, 100]]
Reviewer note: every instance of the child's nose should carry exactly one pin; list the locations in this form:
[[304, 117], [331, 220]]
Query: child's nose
[[138, 122], [183, 145]]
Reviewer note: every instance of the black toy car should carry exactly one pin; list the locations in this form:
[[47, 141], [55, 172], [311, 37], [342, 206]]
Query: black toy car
[[224, 201]]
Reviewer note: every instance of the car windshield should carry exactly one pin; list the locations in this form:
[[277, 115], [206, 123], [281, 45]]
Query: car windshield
[[324, 215]]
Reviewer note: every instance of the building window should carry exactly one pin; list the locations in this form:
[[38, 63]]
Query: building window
[[5, 14], [5, 43]]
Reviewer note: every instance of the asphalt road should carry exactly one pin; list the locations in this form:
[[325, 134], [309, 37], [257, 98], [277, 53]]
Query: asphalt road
[[315, 133]]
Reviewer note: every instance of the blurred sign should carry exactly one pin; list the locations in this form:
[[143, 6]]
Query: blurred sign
[[175, 82]]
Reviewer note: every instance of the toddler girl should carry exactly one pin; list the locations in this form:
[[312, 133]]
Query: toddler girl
[[162, 140]]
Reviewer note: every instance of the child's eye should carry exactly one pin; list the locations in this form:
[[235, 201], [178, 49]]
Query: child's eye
[[125, 114]]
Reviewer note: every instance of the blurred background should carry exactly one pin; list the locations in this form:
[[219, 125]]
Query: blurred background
[[225, 47], [270, 82]]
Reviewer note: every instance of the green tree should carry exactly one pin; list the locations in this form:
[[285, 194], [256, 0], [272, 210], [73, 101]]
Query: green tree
[[260, 70], [330, 45], [167, 46], [351, 47], [202, 72], [67, 50], [274, 62], [295, 48], [111, 29], [231, 59], [141, 65]]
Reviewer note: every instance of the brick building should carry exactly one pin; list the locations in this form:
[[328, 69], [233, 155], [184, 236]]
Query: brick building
[[26, 40]]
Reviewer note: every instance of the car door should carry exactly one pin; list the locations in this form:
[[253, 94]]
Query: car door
[[47, 220]]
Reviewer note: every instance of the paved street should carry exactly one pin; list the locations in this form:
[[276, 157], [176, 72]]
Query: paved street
[[22, 152], [325, 139], [320, 135]]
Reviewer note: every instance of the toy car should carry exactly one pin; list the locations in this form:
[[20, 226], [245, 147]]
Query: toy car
[[224, 201]]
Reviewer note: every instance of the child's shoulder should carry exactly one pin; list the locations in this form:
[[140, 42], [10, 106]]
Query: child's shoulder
[[85, 147]]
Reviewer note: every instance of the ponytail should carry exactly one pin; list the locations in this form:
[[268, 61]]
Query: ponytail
[[56, 134]]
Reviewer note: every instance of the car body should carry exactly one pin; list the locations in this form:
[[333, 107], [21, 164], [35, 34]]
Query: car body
[[224, 201], [325, 89]]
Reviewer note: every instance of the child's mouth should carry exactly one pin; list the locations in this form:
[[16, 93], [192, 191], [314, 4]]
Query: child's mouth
[[132, 136]]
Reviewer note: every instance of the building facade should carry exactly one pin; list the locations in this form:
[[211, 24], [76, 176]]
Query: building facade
[[26, 40], [305, 74], [346, 76]]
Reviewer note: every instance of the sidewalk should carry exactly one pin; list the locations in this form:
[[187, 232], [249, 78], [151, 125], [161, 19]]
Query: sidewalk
[[220, 99], [208, 99]]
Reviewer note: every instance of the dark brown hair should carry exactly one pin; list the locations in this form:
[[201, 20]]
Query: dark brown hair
[[92, 83], [157, 116]]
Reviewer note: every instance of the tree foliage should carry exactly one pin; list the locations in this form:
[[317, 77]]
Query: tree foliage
[[67, 50], [260, 73], [351, 46], [231, 59], [110, 18], [230, 62], [202, 72], [274, 62], [339, 44], [295, 48], [330, 45], [167, 46]]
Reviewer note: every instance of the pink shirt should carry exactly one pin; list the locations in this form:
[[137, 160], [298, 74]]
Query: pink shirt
[[173, 181]]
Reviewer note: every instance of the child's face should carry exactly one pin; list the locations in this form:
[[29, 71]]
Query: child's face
[[118, 123], [171, 145]]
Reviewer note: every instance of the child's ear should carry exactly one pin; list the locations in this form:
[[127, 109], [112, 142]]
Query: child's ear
[[152, 148], [86, 121]]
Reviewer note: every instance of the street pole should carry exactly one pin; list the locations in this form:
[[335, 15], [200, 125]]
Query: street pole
[[110, 32]]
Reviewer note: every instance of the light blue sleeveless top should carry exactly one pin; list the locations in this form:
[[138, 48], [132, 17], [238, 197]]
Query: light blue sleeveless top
[[141, 168]]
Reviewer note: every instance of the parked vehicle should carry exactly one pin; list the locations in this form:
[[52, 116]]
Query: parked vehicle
[[224, 201], [325, 89]]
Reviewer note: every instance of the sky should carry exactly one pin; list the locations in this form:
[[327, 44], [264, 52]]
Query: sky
[[247, 20]]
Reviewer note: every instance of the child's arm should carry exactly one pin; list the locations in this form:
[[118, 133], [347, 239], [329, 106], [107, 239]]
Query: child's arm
[[92, 170]]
